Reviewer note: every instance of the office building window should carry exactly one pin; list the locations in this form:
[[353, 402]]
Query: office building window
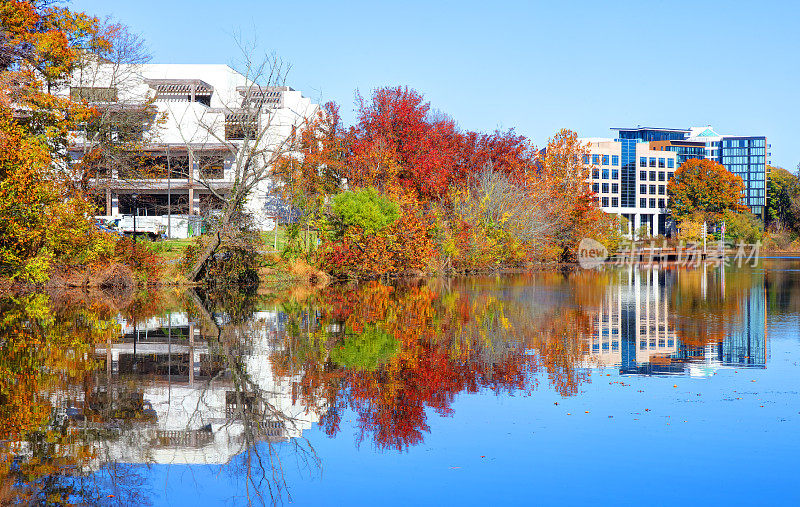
[[596, 174], [605, 188], [669, 176], [596, 159], [662, 203], [671, 163], [614, 174], [642, 161], [595, 188], [661, 189], [605, 202], [614, 159], [653, 189], [614, 188], [614, 202], [643, 175], [586, 159], [652, 203], [662, 163], [661, 175], [652, 176], [642, 203], [652, 161], [605, 159], [642, 189], [605, 174]]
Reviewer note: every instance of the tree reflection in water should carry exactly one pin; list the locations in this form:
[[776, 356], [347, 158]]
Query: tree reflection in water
[[92, 392]]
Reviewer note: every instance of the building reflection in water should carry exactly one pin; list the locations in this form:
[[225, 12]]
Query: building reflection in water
[[176, 391], [636, 327]]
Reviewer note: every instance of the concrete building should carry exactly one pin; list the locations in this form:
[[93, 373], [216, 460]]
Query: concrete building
[[630, 179], [190, 410], [201, 116]]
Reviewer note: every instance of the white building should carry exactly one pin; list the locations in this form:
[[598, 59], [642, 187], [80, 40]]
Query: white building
[[196, 413], [204, 115], [630, 179]]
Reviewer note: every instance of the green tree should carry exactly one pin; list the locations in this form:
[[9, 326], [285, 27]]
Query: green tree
[[704, 187], [783, 188], [744, 227]]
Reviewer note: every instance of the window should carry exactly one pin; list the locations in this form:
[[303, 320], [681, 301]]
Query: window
[[614, 159], [642, 203], [211, 166], [614, 202], [671, 163], [605, 159], [595, 159], [614, 188], [661, 163], [670, 175], [652, 203], [240, 126], [586, 159], [652, 176], [596, 174], [662, 203], [661, 189], [661, 175], [605, 188], [605, 202], [605, 174], [642, 189], [642, 161], [595, 188], [653, 189], [643, 175], [652, 161], [614, 174]]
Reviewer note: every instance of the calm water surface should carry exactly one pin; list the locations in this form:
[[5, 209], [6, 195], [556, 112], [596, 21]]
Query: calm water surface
[[623, 386]]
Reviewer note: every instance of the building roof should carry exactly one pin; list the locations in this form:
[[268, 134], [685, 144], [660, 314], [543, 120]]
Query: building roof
[[639, 127]]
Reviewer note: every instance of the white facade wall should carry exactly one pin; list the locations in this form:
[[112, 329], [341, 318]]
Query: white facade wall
[[191, 125], [654, 169]]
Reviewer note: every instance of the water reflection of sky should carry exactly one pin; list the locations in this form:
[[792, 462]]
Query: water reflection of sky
[[640, 385]]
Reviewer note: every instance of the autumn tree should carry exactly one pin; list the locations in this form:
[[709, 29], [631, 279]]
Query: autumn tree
[[42, 220], [704, 187], [783, 198]]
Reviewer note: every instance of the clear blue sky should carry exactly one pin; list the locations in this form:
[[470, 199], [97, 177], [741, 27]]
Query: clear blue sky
[[533, 66]]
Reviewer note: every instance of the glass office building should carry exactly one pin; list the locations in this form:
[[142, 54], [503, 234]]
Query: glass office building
[[744, 156]]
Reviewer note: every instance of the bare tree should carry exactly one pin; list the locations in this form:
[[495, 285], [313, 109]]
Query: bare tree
[[256, 131]]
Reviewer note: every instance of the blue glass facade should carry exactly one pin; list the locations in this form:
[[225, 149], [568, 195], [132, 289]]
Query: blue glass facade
[[628, 173], [652, 134], [745, 156]]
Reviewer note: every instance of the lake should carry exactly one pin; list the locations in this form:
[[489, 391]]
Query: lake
[[628, 385]]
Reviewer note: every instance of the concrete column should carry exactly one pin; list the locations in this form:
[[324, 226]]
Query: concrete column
[[191, 201], [115, 204], [637, 218], [656, 224], [108, 202], [191, 354]]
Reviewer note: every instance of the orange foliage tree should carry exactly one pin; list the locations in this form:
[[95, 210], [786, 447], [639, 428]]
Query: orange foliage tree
[[705, 187]]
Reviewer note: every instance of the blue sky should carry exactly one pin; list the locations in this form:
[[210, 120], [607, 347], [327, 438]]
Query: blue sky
[[536, 67]]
